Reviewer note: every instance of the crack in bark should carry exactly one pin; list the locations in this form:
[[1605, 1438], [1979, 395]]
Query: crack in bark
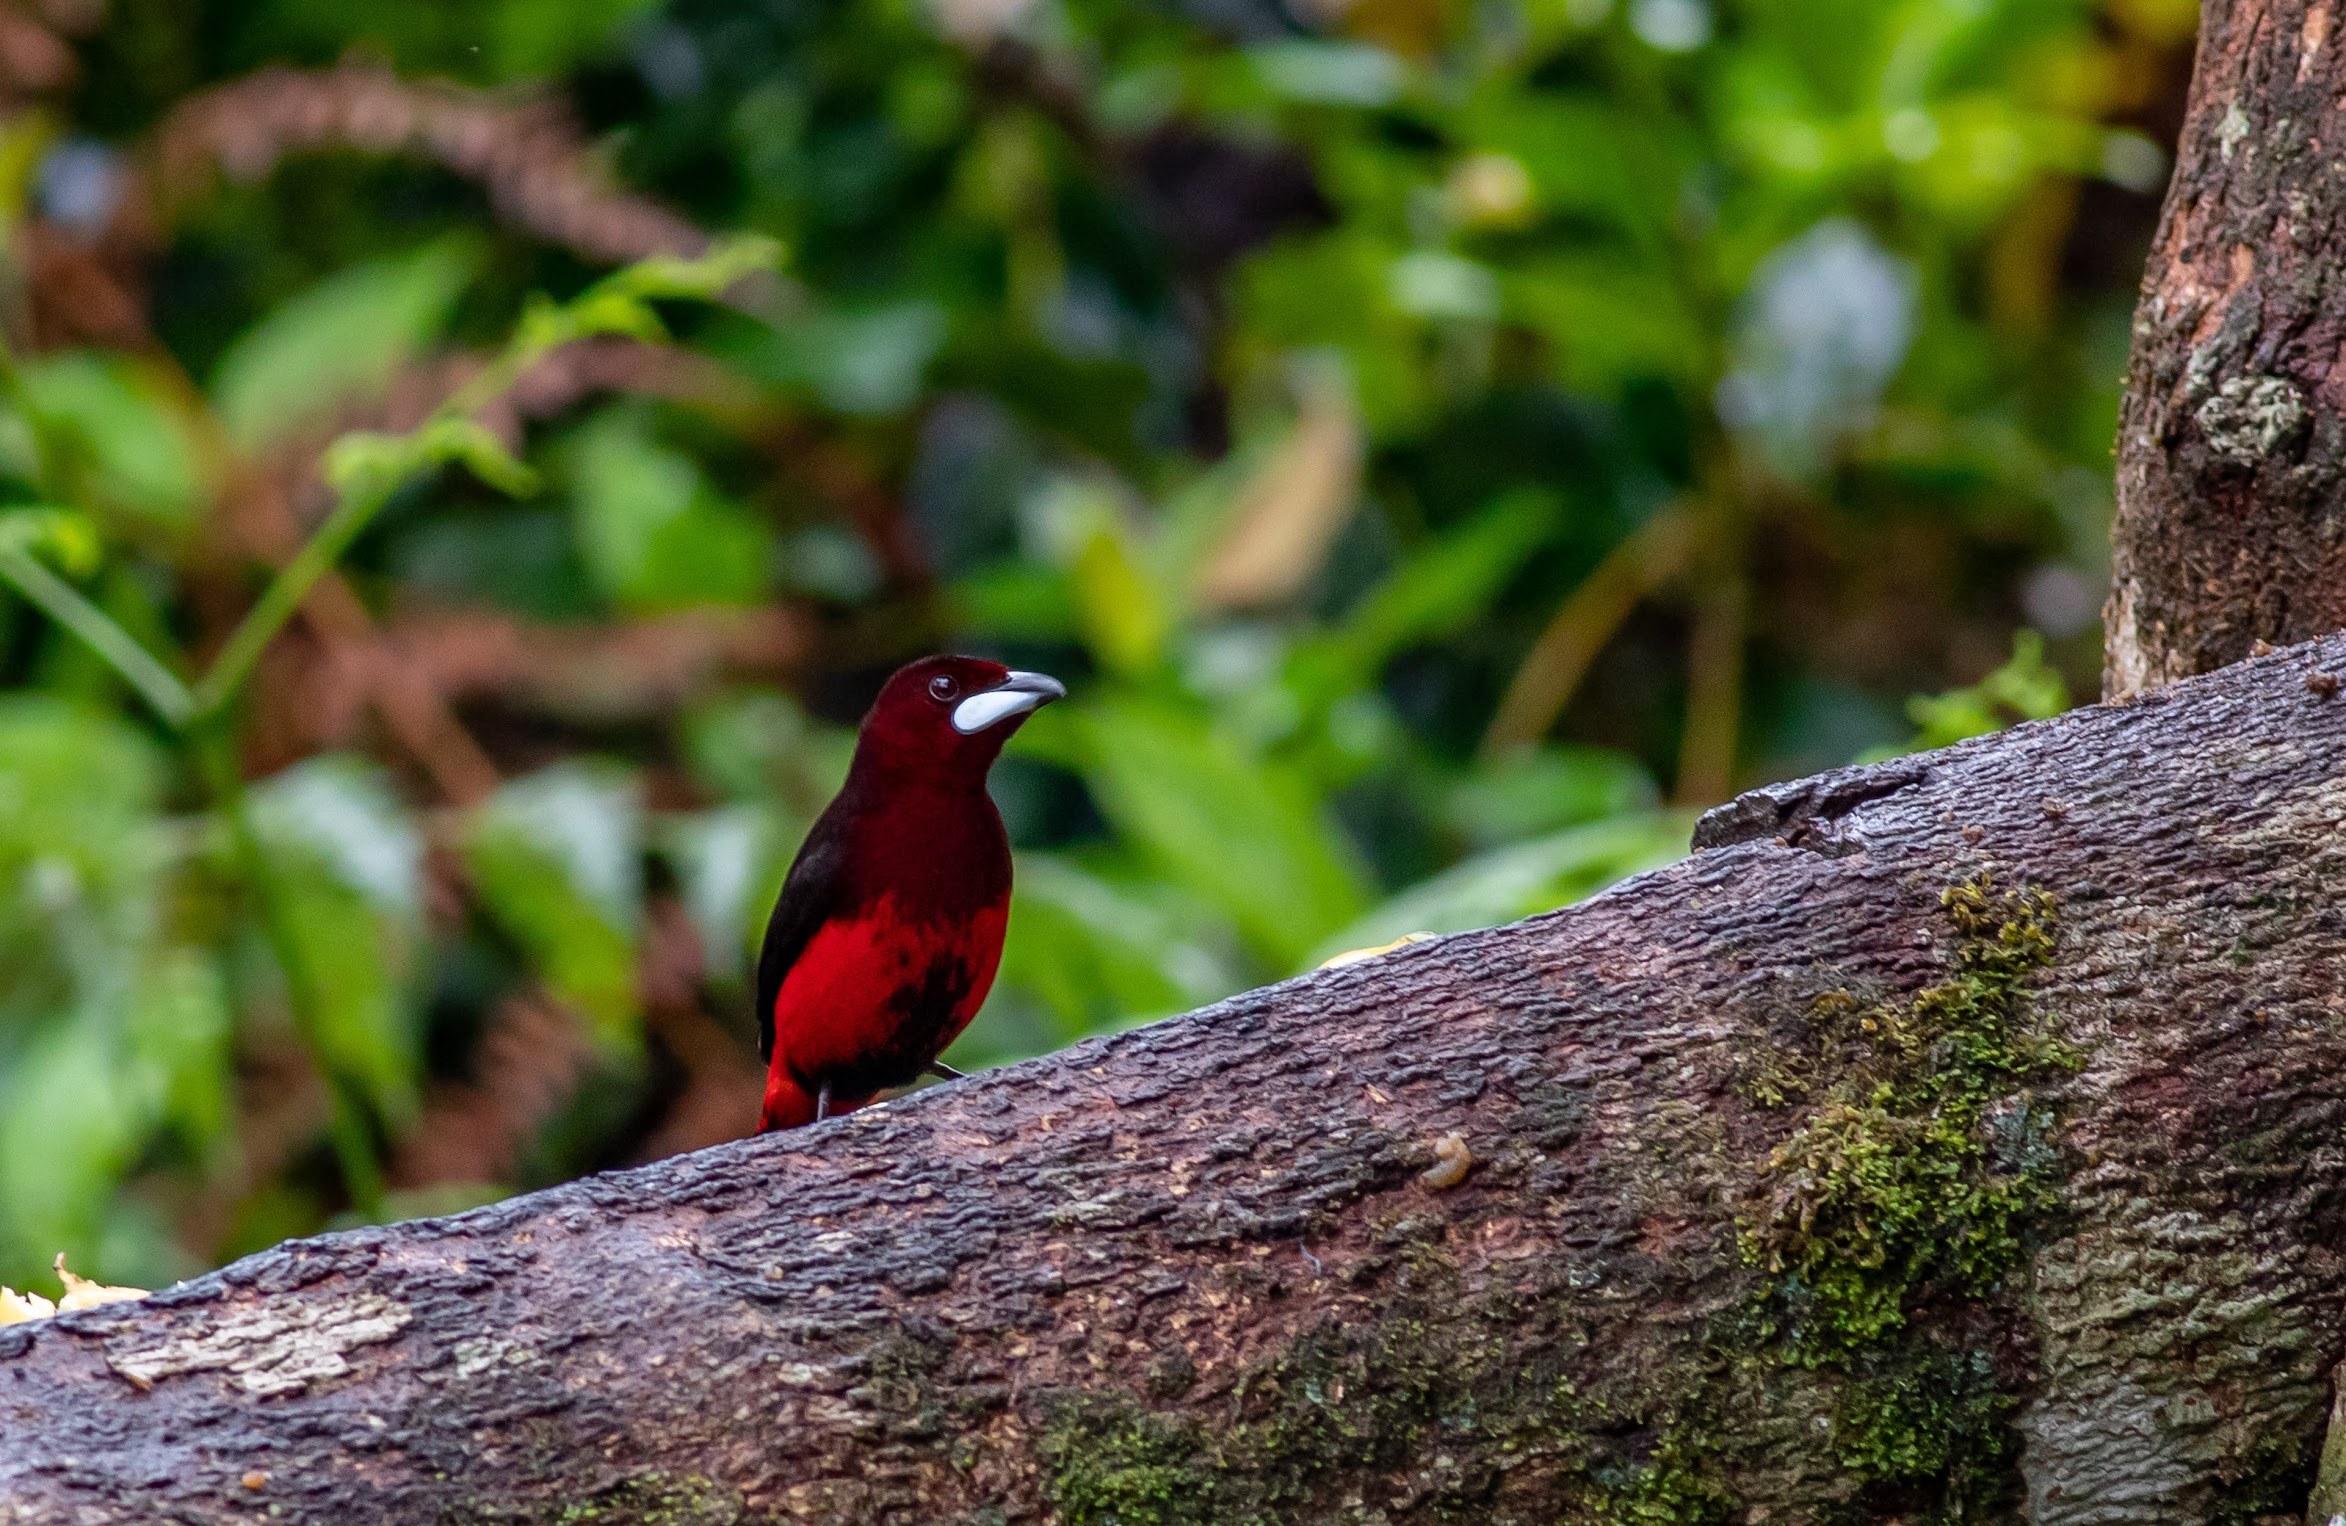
[[1807, 813]]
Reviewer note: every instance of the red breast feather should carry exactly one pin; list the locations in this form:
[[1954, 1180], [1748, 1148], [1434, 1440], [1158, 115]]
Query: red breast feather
[[874, 999]]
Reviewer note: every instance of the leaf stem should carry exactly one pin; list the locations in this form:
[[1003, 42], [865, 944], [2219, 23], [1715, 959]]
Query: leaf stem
[[101, 633], [347, 1130], [1590, 616], [283, 596], [615, 304]]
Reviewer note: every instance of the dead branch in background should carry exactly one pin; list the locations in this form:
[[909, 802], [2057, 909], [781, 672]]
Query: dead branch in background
[[526, 152]]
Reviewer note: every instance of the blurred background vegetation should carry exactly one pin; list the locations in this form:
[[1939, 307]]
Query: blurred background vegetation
[[1438, 441]]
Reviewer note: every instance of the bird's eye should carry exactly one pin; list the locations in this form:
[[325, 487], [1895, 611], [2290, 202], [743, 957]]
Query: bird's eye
[[943, 687]]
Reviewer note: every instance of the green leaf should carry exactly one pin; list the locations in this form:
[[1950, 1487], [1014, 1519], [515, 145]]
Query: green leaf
[[2026, 688], [1545, 789], [69, 1129], [343, 811], [350, 863], [484, 455], [1428, 283], [1335, 290], [78, 789], [62, 534], [547, 39], [142, 1047], [608, 310], [557, 859], [178, 1045], [357, 968], [1612, 321], [867, 362], [653, 534], [1121, 610], [760, 746], [729, 864], [1014, 600], [338, 342], [700, 278], [1508, 884], [368, 461], [1098, 956], [1242, 834], [133, 443], [1449, 583], [1586, 156], [831, 562], [1329, 73]]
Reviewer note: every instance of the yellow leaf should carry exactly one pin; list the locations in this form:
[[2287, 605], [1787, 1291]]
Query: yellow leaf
[[1123, 618], [1356, 955], [1284, 517], [81, 1293]]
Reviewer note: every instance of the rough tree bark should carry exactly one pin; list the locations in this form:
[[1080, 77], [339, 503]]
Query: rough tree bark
[[1948, 1139], [2232, 443]]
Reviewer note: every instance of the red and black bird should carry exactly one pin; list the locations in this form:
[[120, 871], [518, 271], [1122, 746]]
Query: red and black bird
[[889, 928]]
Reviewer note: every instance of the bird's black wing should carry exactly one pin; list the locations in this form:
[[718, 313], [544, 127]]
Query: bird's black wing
[[810, 893]]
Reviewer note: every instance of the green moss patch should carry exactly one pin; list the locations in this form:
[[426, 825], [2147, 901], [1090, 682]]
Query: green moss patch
[[1113, 1463], [657, 1499], [1922, 1153], [1919, 1153], [1929, 1418], [1395, 1393]]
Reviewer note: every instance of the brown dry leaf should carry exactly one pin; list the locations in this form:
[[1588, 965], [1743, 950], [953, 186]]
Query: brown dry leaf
[[976, 23], [33, 58], [1284, 516], [526, 151], [525, 1067], [81, 1293]]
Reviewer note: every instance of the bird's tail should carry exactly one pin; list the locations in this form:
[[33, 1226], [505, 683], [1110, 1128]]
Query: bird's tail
[[788, 1104]]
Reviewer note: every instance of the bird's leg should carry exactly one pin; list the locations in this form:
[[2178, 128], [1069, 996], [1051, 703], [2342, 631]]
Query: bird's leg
[[823, 1103], [945, 1072]]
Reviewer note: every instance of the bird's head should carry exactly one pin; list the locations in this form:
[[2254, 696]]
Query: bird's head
[[950, 715]]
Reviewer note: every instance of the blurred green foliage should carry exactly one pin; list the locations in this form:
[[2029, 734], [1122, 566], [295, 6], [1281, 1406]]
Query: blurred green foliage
[[1441, 442], [2023, 689]]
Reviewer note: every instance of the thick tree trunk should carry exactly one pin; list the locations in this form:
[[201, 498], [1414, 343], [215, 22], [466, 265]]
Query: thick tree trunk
[[1951, 1138], [2232, 443]]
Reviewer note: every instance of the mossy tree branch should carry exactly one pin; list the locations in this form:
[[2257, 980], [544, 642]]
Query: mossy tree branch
[[1949, 1138]]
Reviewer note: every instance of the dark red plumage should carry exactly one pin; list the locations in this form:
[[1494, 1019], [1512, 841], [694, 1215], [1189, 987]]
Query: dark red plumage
[[889, 928]]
